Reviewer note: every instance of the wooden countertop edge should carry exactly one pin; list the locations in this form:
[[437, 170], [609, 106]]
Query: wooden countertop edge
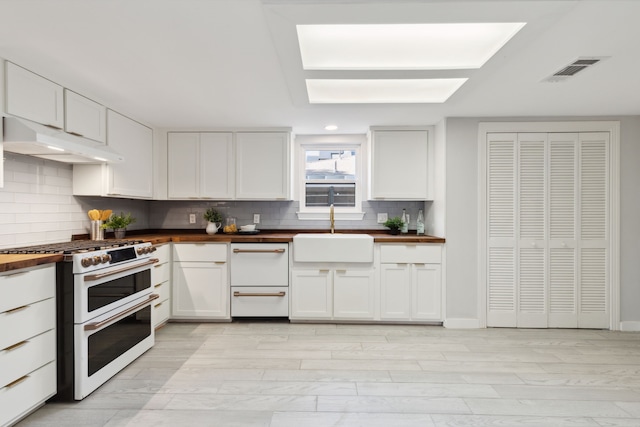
[[12, 262]]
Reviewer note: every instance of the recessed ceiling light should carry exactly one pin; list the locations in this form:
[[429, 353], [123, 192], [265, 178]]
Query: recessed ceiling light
[[377, 91], [402, 46], [331, 127]]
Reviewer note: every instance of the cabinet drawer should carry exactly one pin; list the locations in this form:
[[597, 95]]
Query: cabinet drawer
[[162, 289], [26, 322], [161, 312], [259, 301], [411, 254], [27, 393], [199, 252], [163, 253], [25, 286], [160, 273], [27, 356]]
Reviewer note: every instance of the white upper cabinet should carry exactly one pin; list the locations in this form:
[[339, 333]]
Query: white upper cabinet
[[84, 117], [33, 97], [263, 169], [134, 177], [399, 167], [199, 165], [134, 141]]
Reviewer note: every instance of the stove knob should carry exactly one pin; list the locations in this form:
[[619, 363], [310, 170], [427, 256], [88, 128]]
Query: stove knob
[[152, 249], [97, 260], [106, 258], [85, 262], [140, 251]]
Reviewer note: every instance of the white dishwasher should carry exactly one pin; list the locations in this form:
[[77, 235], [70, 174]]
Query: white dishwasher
[[259, 280]]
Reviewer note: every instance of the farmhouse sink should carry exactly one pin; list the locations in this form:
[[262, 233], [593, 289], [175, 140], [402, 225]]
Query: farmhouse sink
[[326, 247]]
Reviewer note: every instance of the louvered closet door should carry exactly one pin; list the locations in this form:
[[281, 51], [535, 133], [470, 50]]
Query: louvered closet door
[[563, 291], [501, 226], [531, 225], [594, 225]]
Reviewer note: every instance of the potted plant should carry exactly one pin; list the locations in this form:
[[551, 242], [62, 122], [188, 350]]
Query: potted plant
[[394, 224], [119, 223], [214, 220]]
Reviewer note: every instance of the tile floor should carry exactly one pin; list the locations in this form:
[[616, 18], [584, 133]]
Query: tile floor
[[305, 375]]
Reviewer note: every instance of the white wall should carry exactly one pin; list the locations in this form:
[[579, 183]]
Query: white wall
[[462, 205]]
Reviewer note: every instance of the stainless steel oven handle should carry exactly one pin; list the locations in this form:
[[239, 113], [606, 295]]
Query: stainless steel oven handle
[[121, 315], [259, 294], [94, 277], [258, 251]]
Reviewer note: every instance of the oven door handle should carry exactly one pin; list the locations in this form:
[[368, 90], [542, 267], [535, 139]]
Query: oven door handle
[[94, 277], [121, 315]]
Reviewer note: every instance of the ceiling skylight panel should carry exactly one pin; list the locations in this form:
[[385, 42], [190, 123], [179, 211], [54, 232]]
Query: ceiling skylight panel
[[402, 46], [378, 91]]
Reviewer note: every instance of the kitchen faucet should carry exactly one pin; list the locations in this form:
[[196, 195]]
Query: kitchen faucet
[[332, 219]]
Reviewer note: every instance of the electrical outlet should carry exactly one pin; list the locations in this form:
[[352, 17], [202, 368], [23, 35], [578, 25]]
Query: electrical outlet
[[382, 218], [256, 218], [192, 218]]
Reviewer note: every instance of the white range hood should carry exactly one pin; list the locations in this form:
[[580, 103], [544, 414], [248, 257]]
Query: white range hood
[[33, 139]]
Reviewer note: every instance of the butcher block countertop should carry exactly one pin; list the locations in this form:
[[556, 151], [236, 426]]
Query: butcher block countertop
[[17, 261], [269, 236]]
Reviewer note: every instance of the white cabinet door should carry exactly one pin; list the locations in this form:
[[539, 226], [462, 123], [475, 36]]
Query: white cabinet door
[[399, 165], [33, 97], [200, 290], [311, 294], [215, 165], [353, 294], [134, 177], [182, 157], [263, 165], [200, 165], [395, 292], [426, 296], [84, 117]]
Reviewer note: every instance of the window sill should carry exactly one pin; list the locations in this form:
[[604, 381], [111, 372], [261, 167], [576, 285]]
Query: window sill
[[324, 216]]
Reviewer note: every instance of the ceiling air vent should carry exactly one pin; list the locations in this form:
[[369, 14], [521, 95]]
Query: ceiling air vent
[[572, 69]]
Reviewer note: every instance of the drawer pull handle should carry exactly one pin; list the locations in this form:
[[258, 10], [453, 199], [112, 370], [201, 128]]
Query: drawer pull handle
[[16, 274], [14, 346], [75, 133], [16, 382], [15, 310], [158, 265], [219, 262], [258, 251], [259, 294], [157, 305], [158, 285]]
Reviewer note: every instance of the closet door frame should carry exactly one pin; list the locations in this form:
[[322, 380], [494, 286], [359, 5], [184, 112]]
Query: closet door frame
[[613, 128]]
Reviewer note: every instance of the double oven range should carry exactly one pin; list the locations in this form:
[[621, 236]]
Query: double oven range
[[104, 297]]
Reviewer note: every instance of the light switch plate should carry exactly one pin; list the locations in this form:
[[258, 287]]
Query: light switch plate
[[192, 218], [256, 218], [382, 218]]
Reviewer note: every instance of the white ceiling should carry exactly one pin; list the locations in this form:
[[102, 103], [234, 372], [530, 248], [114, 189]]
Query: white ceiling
[[235, 63]]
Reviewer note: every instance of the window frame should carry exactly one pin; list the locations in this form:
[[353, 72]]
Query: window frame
[[355, 142]]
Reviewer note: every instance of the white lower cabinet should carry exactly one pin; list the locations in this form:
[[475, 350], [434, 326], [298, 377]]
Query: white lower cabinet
[[27, 341], [200, 281], [328, 293], [410, 282], [161, 280]]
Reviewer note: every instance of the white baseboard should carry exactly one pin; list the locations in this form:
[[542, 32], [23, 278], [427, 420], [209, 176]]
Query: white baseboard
[[632, 326], [461, 323]]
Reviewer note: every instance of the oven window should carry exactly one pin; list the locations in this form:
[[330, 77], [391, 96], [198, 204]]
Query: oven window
[[114, 290], [109, 343]]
